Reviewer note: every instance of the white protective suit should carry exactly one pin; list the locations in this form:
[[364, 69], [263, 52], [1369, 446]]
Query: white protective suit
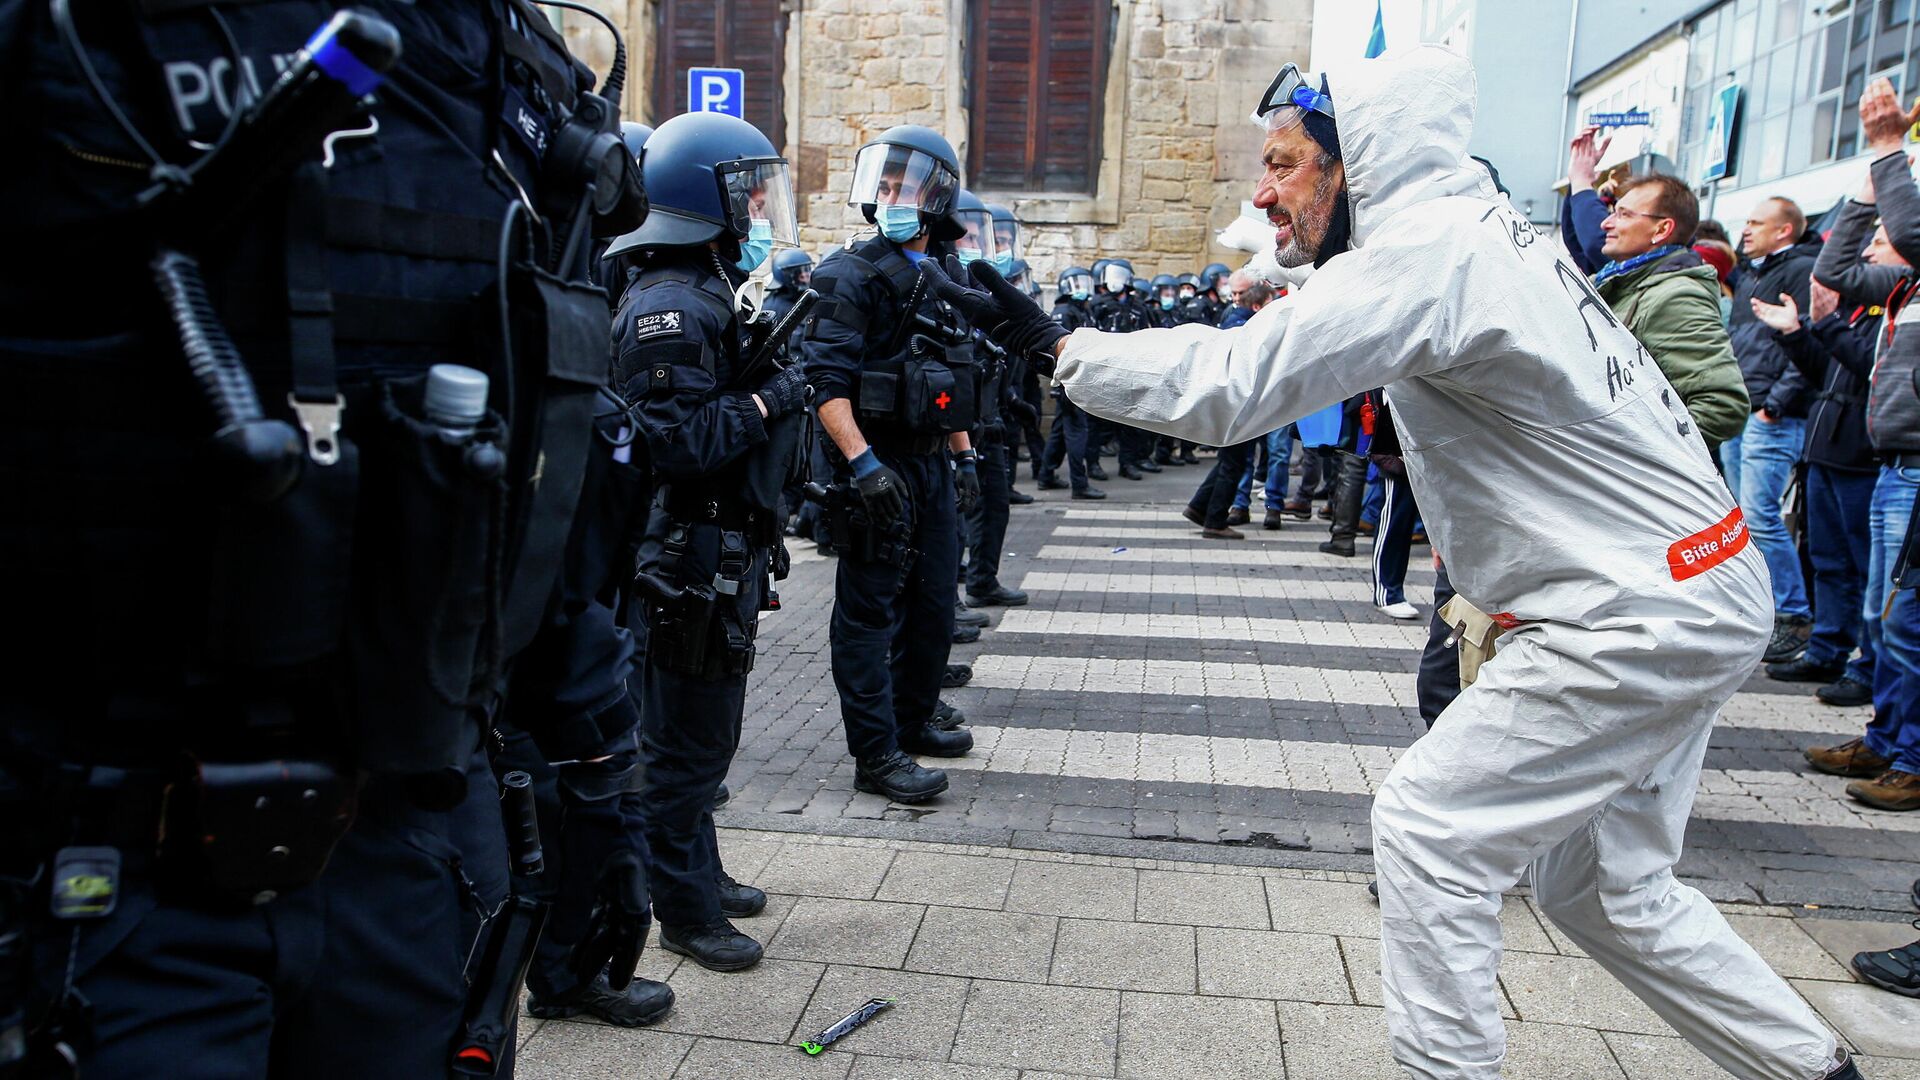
[[1565, 487]]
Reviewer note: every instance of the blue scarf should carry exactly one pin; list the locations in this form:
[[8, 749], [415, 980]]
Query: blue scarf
[[1615, 269]]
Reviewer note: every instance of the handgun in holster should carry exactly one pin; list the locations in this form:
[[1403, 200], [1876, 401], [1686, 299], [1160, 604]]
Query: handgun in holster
[[497, 970], [854, 533]]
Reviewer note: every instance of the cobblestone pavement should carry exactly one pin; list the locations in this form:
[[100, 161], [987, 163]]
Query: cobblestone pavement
[[1012, 964], [1237, 702]]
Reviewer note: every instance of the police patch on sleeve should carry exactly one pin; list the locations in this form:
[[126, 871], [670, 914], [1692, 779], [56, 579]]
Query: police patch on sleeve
[[657, 324]]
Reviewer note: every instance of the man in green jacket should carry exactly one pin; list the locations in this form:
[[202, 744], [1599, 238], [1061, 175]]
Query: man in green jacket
[[1670, 298]]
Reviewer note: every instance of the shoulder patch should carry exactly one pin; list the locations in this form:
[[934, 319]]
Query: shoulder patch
[[657, 324]]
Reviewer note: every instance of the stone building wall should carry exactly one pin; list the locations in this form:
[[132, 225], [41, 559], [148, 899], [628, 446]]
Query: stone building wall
[[1179, 153]]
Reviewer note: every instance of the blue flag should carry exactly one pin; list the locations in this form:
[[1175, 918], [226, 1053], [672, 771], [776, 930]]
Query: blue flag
[[1377, 44]]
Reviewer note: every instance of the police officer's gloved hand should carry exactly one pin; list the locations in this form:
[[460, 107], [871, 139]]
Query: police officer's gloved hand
[[622, 912], [998, 310], [966, 480], [880, 488], [785, 392]]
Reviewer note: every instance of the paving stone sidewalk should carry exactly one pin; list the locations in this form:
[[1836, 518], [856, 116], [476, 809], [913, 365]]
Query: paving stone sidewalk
[[1013, 964], [1171, 697]]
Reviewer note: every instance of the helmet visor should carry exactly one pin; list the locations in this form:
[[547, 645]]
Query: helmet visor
[[759, 198], [889, 175], [1076, 283], [978, 243], [1005, 233], [1115, 278]]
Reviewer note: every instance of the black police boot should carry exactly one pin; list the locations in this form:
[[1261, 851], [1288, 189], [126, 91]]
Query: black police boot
[[1335, 547], [1161, 457], [640, 1004], [720, 796], [936, 742], [956, 675], [1095, 471], [738, 901], [1049, 482], [1089, 493], [964, 616], [899, 778], [998, 596], [1016, 497], [1804, 670], [1146, 465], [947, 716], [1128, 472], [1187, 457], [965, 635], [716, 946]]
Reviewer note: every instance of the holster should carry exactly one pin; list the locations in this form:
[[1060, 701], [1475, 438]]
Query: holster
[[245, 833], [1474, 634], [701, 632], [855, 535]]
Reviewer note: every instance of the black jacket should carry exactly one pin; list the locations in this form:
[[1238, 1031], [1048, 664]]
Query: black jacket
[[1893, 409], [1772, 382], [1836, 355]]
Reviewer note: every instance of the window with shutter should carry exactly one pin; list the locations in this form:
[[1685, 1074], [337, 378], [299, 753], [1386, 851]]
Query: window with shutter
[[747, 34], [1038, 73]]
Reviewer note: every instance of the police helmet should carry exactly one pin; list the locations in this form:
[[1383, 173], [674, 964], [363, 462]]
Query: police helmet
[[1141, 285], [635, 135], [907, 165], [1075, 282], [970, 224], [1163, 281], [1021, 276], [1212, 274], [711, 176], [1116, 276], [1006, 233], [788, 263], [1189, 279]]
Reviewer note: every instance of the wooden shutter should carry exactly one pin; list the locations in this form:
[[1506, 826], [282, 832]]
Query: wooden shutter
[[1038, 71], [747, 34]]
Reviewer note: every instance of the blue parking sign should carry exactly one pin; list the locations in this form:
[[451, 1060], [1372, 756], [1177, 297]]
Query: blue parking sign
[[721, 90]]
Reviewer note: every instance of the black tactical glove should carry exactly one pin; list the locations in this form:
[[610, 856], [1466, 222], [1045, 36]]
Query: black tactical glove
[[998, 310], [966, 480], [785, 392], [622, 913], [883, 493], [1023, 411]]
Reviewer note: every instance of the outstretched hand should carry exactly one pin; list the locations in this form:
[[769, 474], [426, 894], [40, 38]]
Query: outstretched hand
[[979, 308], [1883, 120], [1783, 317]]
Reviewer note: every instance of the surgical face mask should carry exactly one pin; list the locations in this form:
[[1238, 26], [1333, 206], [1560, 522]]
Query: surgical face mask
[[967, 255], [1166, 303], [756, 247], [1117, 279], [1003, 262], [899, 223], [1186, 292], [1081, 294]]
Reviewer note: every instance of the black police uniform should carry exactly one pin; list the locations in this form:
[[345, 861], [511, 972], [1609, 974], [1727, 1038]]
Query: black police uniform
[[214, 669], [1122, 313], [986, 522], [894, 594], [711, 536], [1068, 438]]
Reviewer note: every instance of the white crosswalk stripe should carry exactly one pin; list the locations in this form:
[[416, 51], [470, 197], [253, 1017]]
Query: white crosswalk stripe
[[1219, 553], [1323, 685], [1172, 581], [1303, 536], [1215, 628], [1299, 765]]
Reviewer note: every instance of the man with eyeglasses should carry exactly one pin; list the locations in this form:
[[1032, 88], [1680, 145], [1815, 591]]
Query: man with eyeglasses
[[1670, 298], [1570, 495]]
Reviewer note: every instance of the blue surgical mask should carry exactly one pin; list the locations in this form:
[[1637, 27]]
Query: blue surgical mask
[[1166, 303], [1081, 294], [1003, 262], [756, 247], [967, 255], [899, 223]]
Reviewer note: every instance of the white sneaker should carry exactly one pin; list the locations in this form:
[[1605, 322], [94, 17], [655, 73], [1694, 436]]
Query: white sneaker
[[1401, 610]]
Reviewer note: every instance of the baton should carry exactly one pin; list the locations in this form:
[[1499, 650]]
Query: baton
[[778, 336]]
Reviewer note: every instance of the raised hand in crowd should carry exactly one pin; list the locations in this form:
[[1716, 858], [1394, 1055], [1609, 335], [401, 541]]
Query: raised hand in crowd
[[1583, 164], [1783, 317], [1883, 120], [1821, 302]]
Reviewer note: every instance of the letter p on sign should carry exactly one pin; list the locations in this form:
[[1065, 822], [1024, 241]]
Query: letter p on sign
[[720, 90]]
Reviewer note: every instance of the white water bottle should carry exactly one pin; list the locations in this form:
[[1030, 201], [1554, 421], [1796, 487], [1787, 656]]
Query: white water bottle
[[456, 399]]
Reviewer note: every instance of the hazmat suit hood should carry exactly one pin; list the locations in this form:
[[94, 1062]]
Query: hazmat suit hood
[[1405, 118]]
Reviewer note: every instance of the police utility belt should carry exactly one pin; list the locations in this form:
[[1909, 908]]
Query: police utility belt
[[696, 628]]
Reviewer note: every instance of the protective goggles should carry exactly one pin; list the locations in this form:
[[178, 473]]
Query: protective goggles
[[758, 192], [889, 174], [1292, 89]]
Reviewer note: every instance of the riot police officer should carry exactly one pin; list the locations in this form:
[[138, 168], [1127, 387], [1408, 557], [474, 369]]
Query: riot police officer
[[720, 421], [1068, 437], [1189, 295], [1121, 309], [274, 561], [892, 375], [985, 522], [792, 272], [1215, 293], [1023, 402], [1163, 300]]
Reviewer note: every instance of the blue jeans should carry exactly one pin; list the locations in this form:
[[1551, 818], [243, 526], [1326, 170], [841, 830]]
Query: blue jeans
[[1839, 509], [1375, 501], [1767, 456], [1279, 451], [1893, 626], [1730, 465]]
